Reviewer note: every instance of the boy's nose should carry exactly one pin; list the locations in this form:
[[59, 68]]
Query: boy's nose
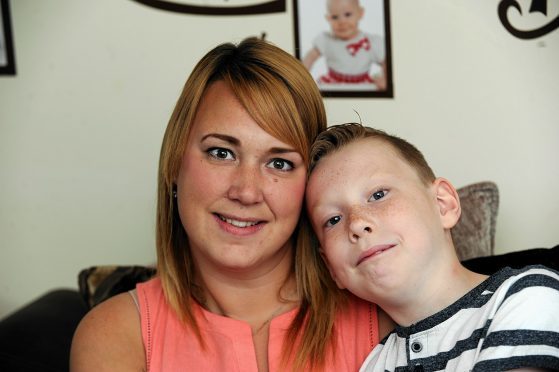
[[360, 224]]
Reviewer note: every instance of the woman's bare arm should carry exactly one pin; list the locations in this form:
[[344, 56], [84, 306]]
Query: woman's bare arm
[[109, 338]]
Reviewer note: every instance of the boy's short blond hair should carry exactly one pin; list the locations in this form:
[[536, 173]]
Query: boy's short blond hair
[[338, 136]]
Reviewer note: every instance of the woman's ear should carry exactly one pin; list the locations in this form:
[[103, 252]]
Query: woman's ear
[[332, 273], [448, 202]]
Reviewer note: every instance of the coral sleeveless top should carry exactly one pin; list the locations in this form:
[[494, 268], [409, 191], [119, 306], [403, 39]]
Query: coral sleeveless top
[[170, 346]]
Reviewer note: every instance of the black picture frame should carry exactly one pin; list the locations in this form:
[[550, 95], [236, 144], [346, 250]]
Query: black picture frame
[[310, 20], [7, 59]]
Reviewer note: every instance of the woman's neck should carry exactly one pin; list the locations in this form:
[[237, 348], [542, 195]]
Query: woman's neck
[[251, 296], [255, 304], [255, 301]]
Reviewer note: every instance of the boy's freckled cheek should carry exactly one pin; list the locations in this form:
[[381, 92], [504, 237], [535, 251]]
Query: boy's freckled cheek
[[391, 209], [386, 209]]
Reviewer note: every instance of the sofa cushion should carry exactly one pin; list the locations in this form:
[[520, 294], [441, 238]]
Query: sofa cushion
[[98, 283], [474, 234], [37, 337]]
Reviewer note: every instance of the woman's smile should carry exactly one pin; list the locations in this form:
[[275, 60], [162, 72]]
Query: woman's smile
[[241, 227]]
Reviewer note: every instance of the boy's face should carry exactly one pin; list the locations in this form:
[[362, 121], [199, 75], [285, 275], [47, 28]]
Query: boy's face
[[344, 17], [378, 224]]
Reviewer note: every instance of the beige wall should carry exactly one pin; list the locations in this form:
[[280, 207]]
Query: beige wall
[[81, 123]]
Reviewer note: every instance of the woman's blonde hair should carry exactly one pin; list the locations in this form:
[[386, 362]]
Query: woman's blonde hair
[[281, 96]]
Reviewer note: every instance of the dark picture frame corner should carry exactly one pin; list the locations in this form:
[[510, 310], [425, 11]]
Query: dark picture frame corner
[[7, 56]]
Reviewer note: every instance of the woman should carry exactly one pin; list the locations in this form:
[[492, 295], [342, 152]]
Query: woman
[[240, 286]]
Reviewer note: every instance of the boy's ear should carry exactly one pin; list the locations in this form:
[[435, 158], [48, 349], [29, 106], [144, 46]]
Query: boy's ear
[[448, 202], [332, 273]]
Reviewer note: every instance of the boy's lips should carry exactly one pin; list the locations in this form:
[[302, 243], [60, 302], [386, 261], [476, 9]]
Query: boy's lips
[[373, 251]]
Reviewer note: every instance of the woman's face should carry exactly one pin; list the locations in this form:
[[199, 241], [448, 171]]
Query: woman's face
[[240, 190]]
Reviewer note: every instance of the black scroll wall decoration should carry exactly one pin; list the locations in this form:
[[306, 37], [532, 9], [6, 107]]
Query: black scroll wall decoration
[[535, 6], [217, 7]]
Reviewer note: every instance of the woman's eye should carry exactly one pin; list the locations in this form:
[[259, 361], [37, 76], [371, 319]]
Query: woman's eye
[[280, 164], [378, 195], [332, 221], [221, 153]]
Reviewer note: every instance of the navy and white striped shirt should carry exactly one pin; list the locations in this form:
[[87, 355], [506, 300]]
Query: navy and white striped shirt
[[511, 320]]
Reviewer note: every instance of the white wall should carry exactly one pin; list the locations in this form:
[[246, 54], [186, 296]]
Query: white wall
[[81, 123]]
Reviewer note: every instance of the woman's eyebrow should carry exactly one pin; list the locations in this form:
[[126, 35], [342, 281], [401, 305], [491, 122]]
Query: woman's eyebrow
[[236, 142], [281, 150], [230, 139]]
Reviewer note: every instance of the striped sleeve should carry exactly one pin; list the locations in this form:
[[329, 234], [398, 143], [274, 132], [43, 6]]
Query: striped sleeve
[[524, 331]]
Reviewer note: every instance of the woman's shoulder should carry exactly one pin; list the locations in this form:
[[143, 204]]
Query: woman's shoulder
[[360, 310], [358, 305], [109, 338], [354, 314]]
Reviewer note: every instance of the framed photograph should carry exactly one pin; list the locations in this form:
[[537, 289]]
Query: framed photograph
[[7, 61], [345, 44]]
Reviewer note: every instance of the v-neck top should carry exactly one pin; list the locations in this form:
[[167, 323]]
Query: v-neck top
[[171, 346]]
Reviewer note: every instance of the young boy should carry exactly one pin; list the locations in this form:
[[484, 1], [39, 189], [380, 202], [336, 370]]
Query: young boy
[[383, 221], [349, 53]]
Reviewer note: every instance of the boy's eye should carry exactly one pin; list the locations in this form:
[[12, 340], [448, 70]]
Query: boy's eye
[[332, 221], [280, 164], [221, 153], [378, 195], [348, 14]]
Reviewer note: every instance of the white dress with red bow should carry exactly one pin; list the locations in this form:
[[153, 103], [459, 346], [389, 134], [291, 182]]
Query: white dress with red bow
[[349, 61]]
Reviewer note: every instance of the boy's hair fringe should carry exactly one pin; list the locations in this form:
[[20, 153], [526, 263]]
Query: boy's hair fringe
[[338, 136]]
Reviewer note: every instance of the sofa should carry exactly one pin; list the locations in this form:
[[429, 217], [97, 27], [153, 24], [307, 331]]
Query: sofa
[[37, 337]]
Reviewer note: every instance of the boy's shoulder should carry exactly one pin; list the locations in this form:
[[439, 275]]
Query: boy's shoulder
[[512, 292], [506, 291], [505, 321], [528, 276]]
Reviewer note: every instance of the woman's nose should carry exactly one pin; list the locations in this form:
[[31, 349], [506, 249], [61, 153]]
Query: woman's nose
[[360, 224], [246, 185]]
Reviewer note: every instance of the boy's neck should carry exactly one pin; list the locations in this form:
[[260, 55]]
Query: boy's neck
[[439, 289]]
